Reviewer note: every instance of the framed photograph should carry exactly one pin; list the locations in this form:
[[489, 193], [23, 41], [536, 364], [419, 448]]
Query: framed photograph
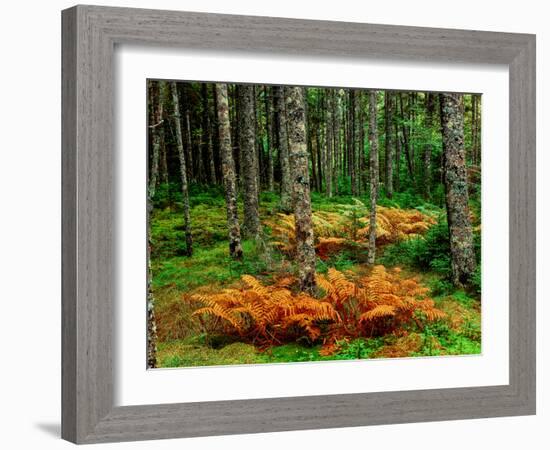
[[278, 224]]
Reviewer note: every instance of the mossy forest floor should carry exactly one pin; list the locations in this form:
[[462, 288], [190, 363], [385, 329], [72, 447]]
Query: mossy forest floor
[[182, 343]]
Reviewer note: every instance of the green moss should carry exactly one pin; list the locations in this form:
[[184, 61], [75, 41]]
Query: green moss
[[211, 265], [178, 354]]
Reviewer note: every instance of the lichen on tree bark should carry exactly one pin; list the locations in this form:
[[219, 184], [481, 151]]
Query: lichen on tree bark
[[247, 143], [305, 247], [286, 185], [374, 175], [463, 262], [228, 171], [183, 169]]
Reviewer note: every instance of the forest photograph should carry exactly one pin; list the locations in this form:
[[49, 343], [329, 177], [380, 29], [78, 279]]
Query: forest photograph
[[292, 224]]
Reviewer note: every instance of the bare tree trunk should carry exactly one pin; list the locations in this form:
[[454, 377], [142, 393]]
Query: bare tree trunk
[[190, 165], [329, 141], [456, 189], [301, 195], [269, 135], [259, 149], [337, 123], [163, 166], [183, 170], [362, 163], [228, 170], [428, 148], [321, 149], [388, 98], [207, 134], [286, 186], [154, 125], [406, 143], [235, 121], [475, 131], [354, 140], [215, 135], [398, 146], [312, 151], [373, 143], [251, 224]]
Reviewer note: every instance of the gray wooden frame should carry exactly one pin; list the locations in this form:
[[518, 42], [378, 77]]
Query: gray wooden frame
[[89, 36]]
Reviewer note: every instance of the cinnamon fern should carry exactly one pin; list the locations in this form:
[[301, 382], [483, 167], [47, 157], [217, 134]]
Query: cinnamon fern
[[347, 306], [334, 229]]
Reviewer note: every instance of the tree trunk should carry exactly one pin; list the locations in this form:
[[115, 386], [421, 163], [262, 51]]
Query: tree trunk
[[190, 166], [260, 163], [398, 145], [183, 170], [286, 186], [163, 153], [373, 143], [155, 127], [329, 141], [269, 135], [228, 170], [354, 140], [214, 133], [428, 148], [207, 135], [362, 161], [388, 98], [456, 189], [337, 122], [155, 122], [247, 128], [305, 246], [406, 143]]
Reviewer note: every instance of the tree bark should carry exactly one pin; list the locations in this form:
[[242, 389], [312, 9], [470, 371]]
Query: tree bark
[[354, 141], [190, 165], [207, 134], [456, 189], [337, 122], [428, 147], [155, 122], [228, 170], [329, 141], [286, 186], [301, 194], [406, 143], [398, 146], [374, 172], [269, 134], [247, 128], [155, 127], [362, 160], [388, 179], [183, 170]]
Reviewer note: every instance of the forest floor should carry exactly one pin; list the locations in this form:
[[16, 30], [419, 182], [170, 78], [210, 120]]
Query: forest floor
[[182, 340]]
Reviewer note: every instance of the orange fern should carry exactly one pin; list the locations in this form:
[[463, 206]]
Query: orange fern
[[348, 306], [265, 314]]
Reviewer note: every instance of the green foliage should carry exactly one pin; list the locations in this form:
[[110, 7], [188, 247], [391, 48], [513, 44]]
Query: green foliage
[[211, 266], [359, 348], [439, 339], [430, 252], [354, 215], [441, 287], [345, 260], [476, 280]]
